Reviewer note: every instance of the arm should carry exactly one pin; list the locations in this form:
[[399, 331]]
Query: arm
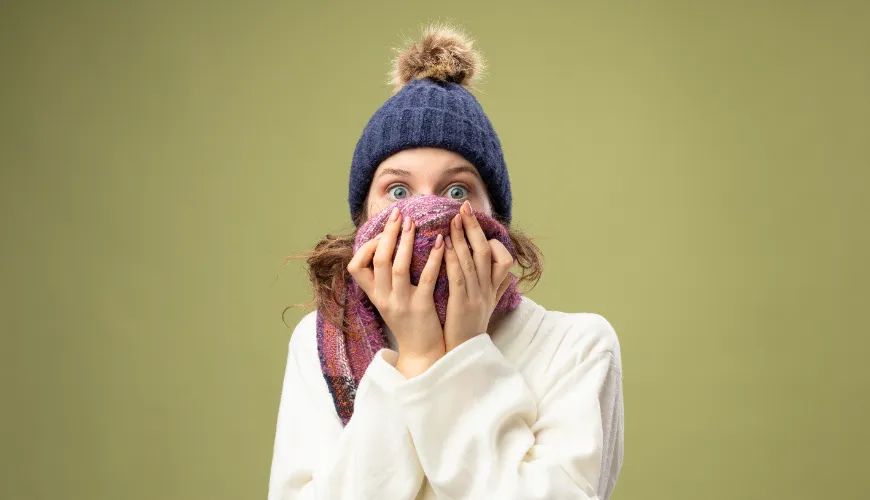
[[315, 458], [480, 432]]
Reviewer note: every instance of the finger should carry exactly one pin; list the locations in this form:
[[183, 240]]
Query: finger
[[479, 245], [466, 261], [502, 261], [455, 276], [429, 276], [502, 288], [402, 262], [358, 267], [383, 259]]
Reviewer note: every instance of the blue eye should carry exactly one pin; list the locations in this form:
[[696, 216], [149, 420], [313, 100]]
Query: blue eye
[[398, 192], [457, 192]]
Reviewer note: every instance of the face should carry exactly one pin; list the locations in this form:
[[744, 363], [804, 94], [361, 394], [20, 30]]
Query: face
[[421, 171]]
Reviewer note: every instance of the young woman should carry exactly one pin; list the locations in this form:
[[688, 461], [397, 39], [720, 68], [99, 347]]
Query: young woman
[[424, 373]]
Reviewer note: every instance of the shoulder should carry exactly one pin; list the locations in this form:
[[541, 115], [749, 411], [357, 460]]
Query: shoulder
[[592, 332], [303, 340], [581, 335], [556, 344], [303, 358]]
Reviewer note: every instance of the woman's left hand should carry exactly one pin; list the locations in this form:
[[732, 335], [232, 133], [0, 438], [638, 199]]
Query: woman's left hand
[[477, 277]]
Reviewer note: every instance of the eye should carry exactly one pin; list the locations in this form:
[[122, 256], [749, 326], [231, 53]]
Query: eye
[[397, 192], [457, 192]]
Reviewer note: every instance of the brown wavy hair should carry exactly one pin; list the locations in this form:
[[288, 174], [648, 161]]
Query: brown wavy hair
[[327, 269]]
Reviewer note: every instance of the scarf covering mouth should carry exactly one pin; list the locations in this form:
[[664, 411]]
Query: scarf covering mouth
[[345, 355]]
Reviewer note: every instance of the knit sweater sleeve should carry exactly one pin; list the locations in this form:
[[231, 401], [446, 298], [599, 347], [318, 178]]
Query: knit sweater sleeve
[[315, 457], [480, 432]]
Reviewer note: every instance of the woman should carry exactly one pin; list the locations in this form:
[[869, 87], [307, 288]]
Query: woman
[[424, 373]]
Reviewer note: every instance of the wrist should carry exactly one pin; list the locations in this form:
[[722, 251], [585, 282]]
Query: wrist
[[411, 365], [453, 343]]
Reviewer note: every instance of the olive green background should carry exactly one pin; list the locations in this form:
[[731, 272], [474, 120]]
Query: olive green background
[[697, 172]]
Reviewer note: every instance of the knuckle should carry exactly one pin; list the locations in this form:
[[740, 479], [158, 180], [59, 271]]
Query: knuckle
[[380, 261], [427, 279], [468, 264]]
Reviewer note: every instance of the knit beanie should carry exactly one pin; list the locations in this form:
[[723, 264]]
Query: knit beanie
[[432, 107]]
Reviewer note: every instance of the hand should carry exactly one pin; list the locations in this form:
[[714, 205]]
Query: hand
[[408, 310], [477, 278]]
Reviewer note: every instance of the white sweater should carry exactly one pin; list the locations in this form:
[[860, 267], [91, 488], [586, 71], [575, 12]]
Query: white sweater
[[531, 411]]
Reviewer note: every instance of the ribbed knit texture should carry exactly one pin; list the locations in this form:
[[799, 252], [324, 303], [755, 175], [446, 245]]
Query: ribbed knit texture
[[429, 113], [344, 356]]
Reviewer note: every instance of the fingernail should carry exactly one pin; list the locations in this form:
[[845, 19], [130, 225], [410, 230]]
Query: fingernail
[[438, 241], [465, 208], [457, 222], [394, 216], [407, 224], [448, 242]]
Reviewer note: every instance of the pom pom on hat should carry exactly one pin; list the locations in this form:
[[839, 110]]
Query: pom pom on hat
[[444, 54]]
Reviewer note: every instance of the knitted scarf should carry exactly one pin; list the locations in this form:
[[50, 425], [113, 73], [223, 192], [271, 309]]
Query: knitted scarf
[[345, 355]]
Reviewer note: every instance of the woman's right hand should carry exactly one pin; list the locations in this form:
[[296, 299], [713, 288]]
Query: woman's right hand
[[408, 310]]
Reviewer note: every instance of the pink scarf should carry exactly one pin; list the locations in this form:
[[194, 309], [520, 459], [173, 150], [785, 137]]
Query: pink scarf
[[344, 356]]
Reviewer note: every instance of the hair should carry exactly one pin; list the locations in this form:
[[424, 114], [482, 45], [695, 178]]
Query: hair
[[327, 270]]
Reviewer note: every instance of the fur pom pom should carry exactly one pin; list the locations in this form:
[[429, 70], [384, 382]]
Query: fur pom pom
[[444, 54]]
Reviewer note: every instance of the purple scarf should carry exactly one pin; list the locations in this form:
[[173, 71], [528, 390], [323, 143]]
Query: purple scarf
[[344, 356]]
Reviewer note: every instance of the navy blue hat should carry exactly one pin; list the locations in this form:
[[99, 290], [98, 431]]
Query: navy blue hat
[[433, 108]]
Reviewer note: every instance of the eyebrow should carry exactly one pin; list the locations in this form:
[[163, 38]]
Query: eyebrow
[[461, 169], [394, 171], [451, 171]]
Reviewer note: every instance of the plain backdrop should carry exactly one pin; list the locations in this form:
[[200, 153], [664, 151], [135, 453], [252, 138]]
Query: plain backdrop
[[697, 172]]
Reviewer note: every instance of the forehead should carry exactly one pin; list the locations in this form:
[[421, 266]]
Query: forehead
[[425, 163]]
